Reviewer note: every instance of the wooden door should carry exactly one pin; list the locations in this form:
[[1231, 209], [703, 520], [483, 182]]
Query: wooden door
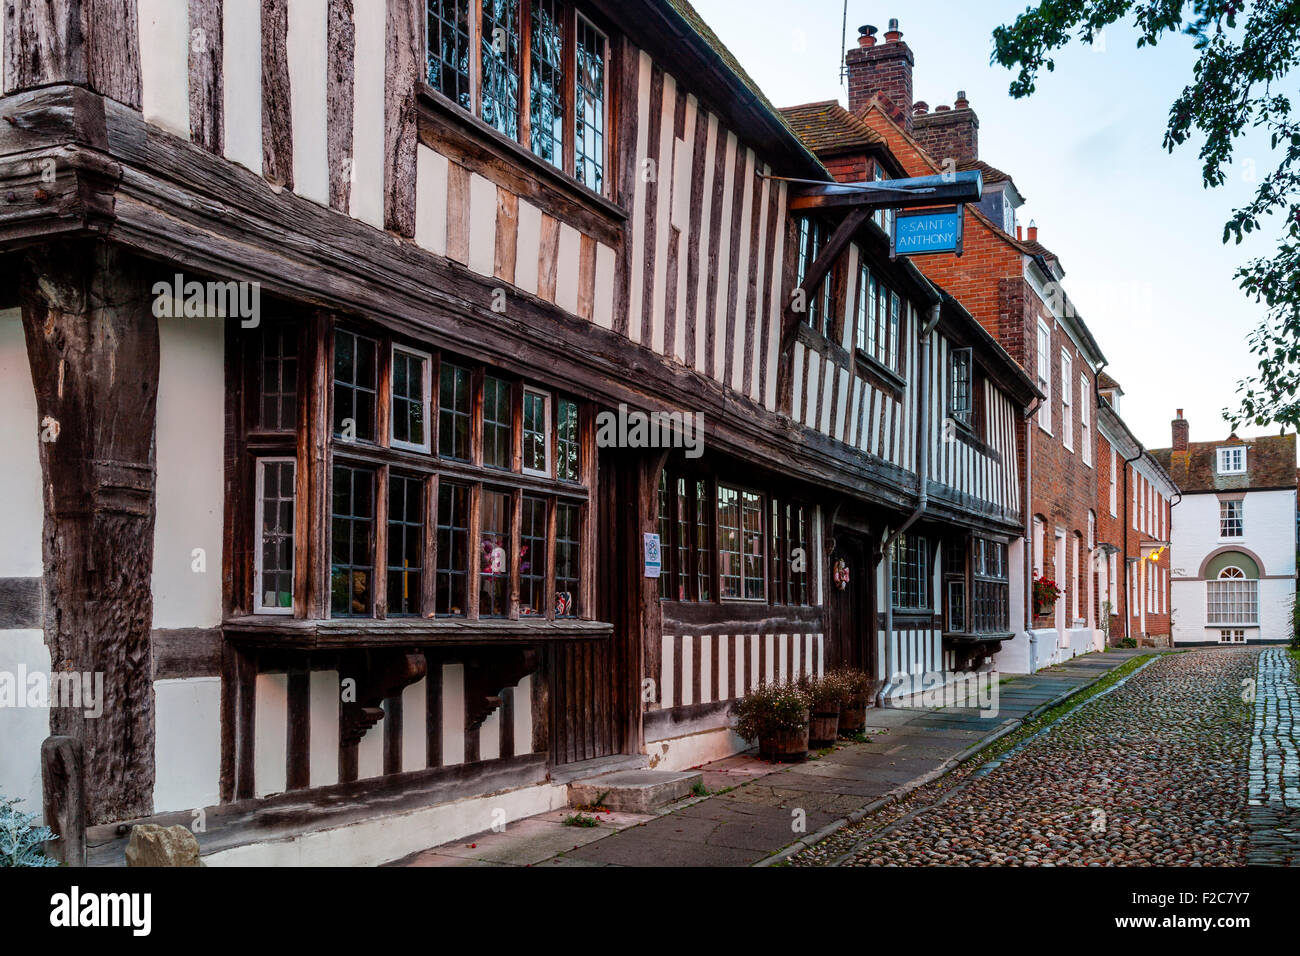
[[849, 642]]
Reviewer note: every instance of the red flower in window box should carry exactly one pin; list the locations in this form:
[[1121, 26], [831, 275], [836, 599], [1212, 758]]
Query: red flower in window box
[[1045, 594]]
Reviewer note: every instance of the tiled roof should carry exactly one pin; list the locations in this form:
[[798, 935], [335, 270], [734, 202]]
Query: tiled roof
[[1104, 381], [827, 127], [990, 174], [1270, 463]]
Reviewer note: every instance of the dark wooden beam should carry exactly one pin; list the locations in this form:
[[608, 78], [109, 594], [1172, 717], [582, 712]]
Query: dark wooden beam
[[812, 280], [92, 344], [91, 43], [921, 192]]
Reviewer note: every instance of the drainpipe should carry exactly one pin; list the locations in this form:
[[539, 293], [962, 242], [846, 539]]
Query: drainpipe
[[1029, 532], [922, 494], [1128, 594]]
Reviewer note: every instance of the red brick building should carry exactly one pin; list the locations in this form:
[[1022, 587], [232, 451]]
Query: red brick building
[[1131, 578], [1011, 283]]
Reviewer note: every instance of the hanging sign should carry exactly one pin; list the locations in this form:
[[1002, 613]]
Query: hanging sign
[[653, 558], [919, 232]]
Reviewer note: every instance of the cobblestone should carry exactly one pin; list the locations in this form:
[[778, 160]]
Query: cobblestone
[[1274, 812], [1156, 772]]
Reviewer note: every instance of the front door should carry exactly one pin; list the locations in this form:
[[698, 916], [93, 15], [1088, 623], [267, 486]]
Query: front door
[[849, 642]]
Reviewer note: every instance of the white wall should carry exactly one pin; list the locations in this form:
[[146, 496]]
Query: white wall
[[23, 729], [191, 472], [188, 748], [1269, 534]]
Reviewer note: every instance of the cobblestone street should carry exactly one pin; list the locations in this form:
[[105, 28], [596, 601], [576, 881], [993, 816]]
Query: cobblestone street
[[1174, 766]]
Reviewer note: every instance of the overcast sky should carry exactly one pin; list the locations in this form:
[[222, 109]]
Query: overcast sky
[[1138, 235]]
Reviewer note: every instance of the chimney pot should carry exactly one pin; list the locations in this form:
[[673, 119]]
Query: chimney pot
[[893, 35], [1019, 233], [866, 36], [961, 102], [881, 69], [920, 108], [1033, 231]]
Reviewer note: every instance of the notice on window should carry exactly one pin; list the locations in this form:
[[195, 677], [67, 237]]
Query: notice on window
[[653, 557]]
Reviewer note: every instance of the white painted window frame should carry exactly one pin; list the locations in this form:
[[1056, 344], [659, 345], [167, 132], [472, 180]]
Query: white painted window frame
[[1114, 483], [1222, 455], [1085, 420], [258, 607], [1045, 376], [546, 417], [427, 445], [1067, 401]]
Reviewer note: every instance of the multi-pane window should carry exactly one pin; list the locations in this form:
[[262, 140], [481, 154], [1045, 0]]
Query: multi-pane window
[[1045, 375], [532, 557], [1085, 419], [493, 45], [275, 523], [812, 238], [448, 49], [682, 538], [405, 544], [589, 100], [790, 552], [961, 393], [1067, 391], [865, 340], [454, 404], [703, 548], [1232, 461], [546, 81], [411, 397], [1230, 519], [352, 527], [991, 590], [279, 407], [895, 309], [740, 544], [910, 577], [537, 432], [568, 548], [1114, 483], [1232, 598], [355, 386], [566, 443], [879, 313], [451, 582], [494, 555], [496, 422], [499, 79]]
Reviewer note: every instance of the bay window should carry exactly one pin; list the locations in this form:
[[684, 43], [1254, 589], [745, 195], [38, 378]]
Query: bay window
[[536, 71], [1232, 598]]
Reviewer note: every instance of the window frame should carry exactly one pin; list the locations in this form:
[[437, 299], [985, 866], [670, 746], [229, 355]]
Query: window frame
[[1225, 454], [965, 415], [259, 488], [1085, 419], [430, 424], [521, 40], [1226, 603], [1044, 376], [1226, 519], [1067, 401], [548, 433]]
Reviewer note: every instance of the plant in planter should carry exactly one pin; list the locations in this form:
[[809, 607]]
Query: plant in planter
[[1045, 594], [853, 713], [826, 695], [776, 715]]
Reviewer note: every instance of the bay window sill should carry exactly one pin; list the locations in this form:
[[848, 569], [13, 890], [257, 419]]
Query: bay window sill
[[277, 631]]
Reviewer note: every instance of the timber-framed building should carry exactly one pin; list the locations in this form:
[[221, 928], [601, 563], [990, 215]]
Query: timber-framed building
[[316, 311]]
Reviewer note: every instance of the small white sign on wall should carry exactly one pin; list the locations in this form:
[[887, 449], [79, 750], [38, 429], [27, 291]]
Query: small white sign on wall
[[653, 558]]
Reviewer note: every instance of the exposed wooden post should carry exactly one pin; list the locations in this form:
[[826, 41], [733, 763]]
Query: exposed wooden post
[[91, 43], [64, 799], [92, 344]]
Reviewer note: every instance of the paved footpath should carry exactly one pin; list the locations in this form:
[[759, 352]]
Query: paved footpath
[[757, 809], [1274, 793]]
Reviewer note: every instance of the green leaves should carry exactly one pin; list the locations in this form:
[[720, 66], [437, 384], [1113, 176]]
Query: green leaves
[[1246, 48]]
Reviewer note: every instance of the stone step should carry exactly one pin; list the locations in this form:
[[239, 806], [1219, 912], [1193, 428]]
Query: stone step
[[634, 791], [569, 772]]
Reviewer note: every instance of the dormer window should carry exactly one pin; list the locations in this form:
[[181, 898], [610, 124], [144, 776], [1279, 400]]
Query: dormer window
[[1232, 461]]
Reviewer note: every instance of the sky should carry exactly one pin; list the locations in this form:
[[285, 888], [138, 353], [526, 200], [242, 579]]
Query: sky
[[1138, 235]]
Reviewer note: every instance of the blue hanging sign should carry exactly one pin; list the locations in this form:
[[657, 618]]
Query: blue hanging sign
[[920, 232]]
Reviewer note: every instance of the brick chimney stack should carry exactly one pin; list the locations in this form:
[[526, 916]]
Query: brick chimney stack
[[1180, 429], [884, 68], [950, 132]]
